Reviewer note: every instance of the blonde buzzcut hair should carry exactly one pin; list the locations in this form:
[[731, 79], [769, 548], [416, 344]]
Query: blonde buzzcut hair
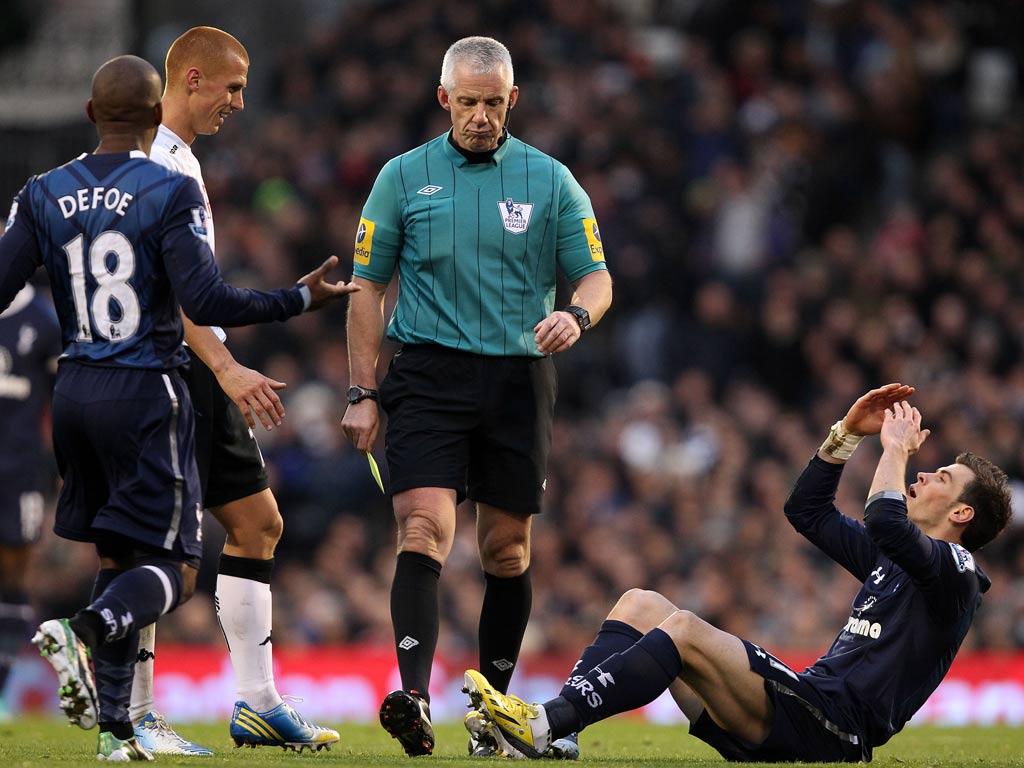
[[208, 48]]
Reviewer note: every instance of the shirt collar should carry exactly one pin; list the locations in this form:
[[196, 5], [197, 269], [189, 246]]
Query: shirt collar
[[496, 155]]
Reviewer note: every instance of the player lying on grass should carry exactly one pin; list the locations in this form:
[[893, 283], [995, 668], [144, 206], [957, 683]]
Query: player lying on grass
[[921, 588]]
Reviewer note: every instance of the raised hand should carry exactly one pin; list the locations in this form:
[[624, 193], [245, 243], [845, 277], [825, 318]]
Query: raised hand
[[866, 416], [901, 429], [322, 292]]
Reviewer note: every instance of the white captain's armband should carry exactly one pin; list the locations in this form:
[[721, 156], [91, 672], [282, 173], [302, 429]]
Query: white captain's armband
[[891, 495], [964, 559], [12, 216]]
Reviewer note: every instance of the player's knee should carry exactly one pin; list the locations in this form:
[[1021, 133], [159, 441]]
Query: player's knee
[[684, 627], [643, 609]]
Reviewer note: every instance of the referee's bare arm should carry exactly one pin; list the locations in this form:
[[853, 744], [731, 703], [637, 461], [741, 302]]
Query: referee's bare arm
[[560, 330], [365, 333]]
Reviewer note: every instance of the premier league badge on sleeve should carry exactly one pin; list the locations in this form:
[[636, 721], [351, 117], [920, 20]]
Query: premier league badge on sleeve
[[515, 217]]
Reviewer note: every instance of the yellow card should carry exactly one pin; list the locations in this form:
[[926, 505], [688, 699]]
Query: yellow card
[[374, 470]]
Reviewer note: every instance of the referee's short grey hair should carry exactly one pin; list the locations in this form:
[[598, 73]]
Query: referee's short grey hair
[[482, 54]]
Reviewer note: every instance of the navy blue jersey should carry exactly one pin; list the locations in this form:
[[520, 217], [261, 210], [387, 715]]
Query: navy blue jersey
[[910, 616], [123, 240], [29, 346]]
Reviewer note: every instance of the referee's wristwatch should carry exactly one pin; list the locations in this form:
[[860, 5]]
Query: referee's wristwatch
[[357, 394], [581, 315]]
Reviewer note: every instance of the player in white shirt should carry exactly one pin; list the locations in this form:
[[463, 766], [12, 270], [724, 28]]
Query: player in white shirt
[[206, 74]]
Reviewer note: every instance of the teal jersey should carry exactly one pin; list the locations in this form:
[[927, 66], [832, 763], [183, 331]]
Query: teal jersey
[[476, 245]]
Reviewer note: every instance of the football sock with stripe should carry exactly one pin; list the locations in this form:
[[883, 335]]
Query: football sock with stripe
[[133, 599], [503, 620], [15, 621], [114, 666], [245, 612], [613, 637], [415, 618], [620, 683]]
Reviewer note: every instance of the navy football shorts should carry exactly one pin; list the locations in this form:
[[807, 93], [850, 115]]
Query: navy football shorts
[[802, 730], [124, 443], [477, 424], [230, 464]]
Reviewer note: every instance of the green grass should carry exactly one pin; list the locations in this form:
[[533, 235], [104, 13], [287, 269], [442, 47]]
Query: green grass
[[31, 742]]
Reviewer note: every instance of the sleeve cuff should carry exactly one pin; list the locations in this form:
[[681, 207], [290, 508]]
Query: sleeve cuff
[[307, 297], [891, 495]]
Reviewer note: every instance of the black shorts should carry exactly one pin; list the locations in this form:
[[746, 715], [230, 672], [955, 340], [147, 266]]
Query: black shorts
[[22, 505], [231, 466], [803, 730], [125, 447], [479, 425]]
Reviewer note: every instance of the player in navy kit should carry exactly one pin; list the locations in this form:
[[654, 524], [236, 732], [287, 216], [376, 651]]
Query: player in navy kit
[[921, 588], [123, 241], [29, 346]]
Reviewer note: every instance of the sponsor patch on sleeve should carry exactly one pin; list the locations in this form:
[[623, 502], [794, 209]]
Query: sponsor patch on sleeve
[[594, 239], [964, 559], [364, 242], [198, 225]]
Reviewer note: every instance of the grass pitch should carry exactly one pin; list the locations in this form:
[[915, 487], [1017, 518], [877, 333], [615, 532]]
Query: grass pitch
[[31, 742]]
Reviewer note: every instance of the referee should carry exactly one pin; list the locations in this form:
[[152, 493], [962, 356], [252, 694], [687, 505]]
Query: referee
[[477, 224]]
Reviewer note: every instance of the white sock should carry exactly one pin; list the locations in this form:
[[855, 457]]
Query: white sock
[[142, 684], [244, 609]]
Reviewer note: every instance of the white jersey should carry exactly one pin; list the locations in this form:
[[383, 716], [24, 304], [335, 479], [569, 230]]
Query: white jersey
[[170, 151]]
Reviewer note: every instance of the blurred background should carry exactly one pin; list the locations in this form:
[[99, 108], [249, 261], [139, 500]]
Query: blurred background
[[799, 199]]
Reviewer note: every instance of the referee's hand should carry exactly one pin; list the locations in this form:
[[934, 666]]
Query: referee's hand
[[556, 332], [360, 424]]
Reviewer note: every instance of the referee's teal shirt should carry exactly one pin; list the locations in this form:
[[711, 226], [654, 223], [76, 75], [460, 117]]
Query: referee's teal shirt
[[476, 244]]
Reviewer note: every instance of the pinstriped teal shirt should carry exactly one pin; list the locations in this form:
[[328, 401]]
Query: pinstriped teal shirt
[[476, 245]]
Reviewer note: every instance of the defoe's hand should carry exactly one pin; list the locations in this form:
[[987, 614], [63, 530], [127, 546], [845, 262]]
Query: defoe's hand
[[865, 416], [322, 292]]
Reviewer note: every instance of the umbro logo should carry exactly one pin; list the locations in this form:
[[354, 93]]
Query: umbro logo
[[429, 190], [503, 664], [408, 643]]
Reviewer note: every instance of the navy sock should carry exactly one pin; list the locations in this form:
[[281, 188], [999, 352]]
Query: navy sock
[[620, 683], [613, 637], [134, 599], [114, 665], [15, 623], [415, 616], [503, 620]]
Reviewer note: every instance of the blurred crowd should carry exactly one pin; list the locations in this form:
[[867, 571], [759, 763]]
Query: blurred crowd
[[799, 199]]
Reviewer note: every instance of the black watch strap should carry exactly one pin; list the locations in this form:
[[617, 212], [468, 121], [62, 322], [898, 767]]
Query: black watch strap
[[581, 315], [357, 394]]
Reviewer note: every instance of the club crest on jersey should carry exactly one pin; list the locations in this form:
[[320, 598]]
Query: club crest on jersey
[[198, 225], [515, 217]]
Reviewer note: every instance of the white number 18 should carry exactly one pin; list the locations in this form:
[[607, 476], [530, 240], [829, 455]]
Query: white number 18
[[112, 285]]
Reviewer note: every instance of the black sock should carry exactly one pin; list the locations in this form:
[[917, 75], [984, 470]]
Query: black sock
[[119, 728], [620, 683], [15, 622], [134, 598], [503, 620], [114, 664], [415, 618], [613, 637]]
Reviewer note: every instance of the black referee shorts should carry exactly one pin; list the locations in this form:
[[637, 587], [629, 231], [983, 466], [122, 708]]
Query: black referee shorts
[[477, 424], [230, 464]]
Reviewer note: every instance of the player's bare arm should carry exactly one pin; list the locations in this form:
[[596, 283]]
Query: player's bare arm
[[322, 292], [365, 333], [560, 330], [250, 390]]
